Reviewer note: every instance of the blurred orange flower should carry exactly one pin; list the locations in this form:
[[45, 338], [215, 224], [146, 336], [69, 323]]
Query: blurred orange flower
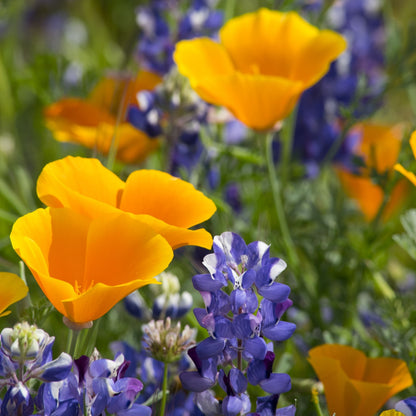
[[263, 63], [168, 204], [85, 266], [399, 168], [356, 385], [379, 148], [12, 289], [96, 121]]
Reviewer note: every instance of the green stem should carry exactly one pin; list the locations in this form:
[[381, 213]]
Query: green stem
[[278, 203], [287, 144], [72, 341], [315, 401], [114, 141], [92, 338], [164, 390]]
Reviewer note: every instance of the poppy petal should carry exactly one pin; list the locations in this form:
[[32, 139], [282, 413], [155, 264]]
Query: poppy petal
[[200, 58], [177, 236], [13, 289], [258, 101], [165, 197], [314, 60], [83, 184]]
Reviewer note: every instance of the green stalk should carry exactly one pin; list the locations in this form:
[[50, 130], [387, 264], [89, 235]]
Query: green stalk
[[92, 338], [164, 390], [278, 203], [114, 141], [287, 144], [73, 336], [315, 401]]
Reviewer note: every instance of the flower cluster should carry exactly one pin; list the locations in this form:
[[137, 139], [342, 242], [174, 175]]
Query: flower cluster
[[238, 325], [94, 387], [320, 107], [157, 40], [25, 356]]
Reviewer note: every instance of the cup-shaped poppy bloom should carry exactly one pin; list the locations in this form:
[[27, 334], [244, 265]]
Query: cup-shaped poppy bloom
[[12, 289], [354, 384], [101, 118], [379, 148], [85, 266], [166, 203], [261, 66], [399, 168]]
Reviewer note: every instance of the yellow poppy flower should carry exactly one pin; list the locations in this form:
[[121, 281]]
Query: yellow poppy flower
[[94, 122], [354, 384], [263, 63], [391, 413], [168, 204], [399, 168], [85, 266], [379, 148], [12, 289]]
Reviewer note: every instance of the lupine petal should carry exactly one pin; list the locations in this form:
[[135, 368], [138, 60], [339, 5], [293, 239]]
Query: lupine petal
[[193, 381], [206, 283], [210, 347], [256, 346], [276, 292], [280, 332], [238, 381], [277, 383], [231, 406], [55, 370], [407, 406]]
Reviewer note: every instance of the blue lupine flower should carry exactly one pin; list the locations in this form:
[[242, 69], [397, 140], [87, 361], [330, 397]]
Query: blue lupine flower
[[187, 112], [95, 386], [239, 275], [156, 44], [168, 301], [407, 406], [26, 354], [319, 120]]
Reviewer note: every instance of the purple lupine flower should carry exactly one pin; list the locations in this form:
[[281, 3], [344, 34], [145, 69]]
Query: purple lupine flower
[[187, 112], [167, 302], [239, 275], [407, 406], [156, 44], [95, 386], [320, 119], [25, 355]]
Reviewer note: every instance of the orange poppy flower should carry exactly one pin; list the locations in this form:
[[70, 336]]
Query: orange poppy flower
[[95, 122], [12, 289], [263, 63], [168, 204], [354, 384], [399, 168], [85, 266], [379, 148]]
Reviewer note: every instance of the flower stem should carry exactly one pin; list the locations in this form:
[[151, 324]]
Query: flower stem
[[315, 401], [72, 341], [287, 144], [278, 203], [164, 389]]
